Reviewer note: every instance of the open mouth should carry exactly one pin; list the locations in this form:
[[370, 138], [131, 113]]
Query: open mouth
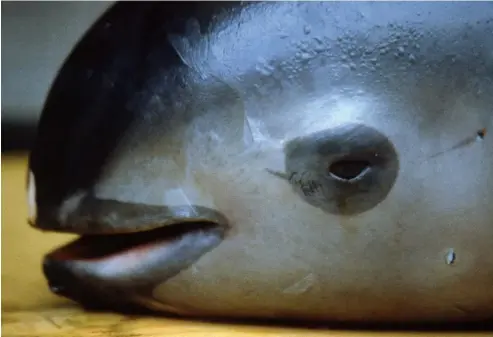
[[109, 270], [97, 247]]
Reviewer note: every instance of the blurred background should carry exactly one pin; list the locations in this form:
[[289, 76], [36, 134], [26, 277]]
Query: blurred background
[[37, 36], [36, 39]]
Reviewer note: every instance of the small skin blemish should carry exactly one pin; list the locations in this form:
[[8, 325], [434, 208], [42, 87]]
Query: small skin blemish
[[450, 256], [481, 134], [301, 286]]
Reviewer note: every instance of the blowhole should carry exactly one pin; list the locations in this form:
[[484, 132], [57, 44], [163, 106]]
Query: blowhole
[[349, 169]]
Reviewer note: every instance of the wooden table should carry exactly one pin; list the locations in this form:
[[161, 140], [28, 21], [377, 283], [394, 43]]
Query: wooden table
[[29, 309]]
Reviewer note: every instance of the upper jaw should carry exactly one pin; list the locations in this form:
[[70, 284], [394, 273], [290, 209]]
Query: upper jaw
[[92, 216]]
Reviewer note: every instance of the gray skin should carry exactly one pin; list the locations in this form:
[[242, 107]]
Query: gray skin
[[297, 160]]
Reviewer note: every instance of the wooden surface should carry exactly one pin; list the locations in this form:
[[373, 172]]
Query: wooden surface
[[29, 309]]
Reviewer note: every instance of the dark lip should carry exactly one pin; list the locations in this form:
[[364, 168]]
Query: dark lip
[[96, 247], [112, 217]]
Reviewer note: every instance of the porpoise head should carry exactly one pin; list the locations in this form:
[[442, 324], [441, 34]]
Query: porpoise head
[[303, 160]]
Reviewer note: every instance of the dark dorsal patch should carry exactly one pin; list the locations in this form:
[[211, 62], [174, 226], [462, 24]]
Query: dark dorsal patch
[[102, 89], [345, 170]]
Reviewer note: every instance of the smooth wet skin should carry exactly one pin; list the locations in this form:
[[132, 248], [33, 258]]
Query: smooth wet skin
[[326, 161]]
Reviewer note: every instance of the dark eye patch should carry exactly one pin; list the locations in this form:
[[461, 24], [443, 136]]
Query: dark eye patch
[[344, 170]]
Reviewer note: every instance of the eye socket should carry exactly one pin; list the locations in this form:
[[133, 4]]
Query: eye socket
[[348, 169]]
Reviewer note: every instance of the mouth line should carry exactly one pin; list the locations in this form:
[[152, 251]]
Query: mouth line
[[99, 247]]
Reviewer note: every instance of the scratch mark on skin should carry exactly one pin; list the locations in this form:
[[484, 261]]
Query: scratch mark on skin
[[51, 321], [301, 286], [466, 142], [462, 309], [248, 136]]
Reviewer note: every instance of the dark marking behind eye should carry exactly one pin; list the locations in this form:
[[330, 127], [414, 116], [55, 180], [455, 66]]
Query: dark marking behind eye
[[307, 186]]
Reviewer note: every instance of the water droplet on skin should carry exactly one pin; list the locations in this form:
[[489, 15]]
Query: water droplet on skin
[[306, 56], [450, 257], [57, 289], [264, 67], [307, 29], [384, 50]]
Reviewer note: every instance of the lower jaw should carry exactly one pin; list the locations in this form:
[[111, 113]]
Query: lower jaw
[[119, 272]]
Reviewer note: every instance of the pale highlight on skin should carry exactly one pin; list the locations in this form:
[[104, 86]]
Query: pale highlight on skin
[[31, 197]]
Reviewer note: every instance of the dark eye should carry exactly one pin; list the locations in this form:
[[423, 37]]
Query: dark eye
[[348, 169]]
